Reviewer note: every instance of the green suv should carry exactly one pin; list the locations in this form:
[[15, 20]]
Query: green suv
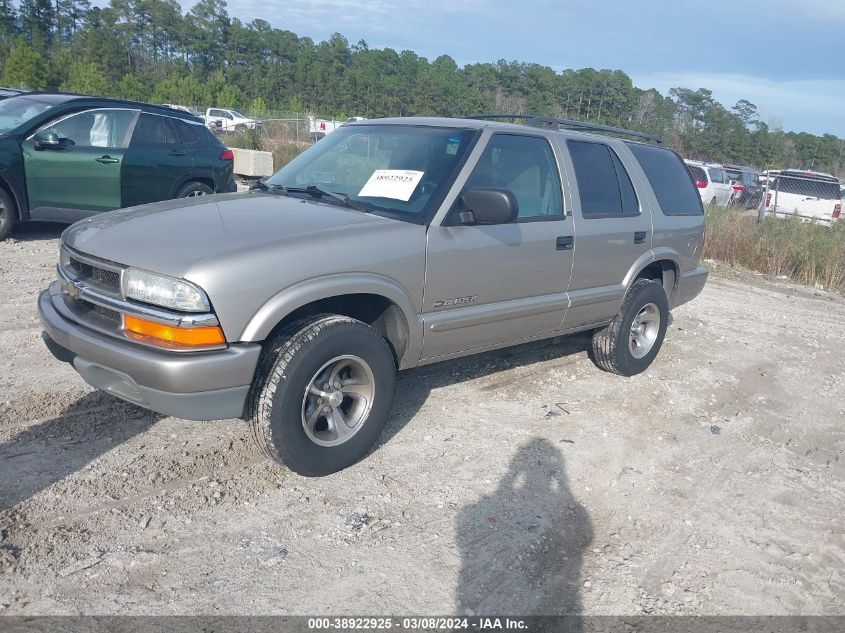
[[64, 157]]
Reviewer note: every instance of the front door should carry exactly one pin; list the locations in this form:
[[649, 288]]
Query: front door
[[82, 174], [490, 285], [156, 162]]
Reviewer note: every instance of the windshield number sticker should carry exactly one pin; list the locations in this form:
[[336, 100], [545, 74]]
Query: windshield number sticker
[[396, 184]]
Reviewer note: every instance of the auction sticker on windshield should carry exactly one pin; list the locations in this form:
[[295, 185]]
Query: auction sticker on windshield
[[397, 184]]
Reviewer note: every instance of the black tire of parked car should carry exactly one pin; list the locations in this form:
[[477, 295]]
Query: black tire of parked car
[[8, 215], [194, 188], [611, 345], [287, 366]]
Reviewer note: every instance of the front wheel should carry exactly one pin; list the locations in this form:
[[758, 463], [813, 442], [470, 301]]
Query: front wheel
[[322, 394], [8, 215], [632, 340]]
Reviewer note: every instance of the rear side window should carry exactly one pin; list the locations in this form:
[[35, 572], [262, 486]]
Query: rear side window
[[153, 130], [669, 179], [698, 174], [187, 133], [604, 186]]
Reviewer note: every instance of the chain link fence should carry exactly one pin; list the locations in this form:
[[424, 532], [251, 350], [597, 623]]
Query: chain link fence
[[809, 196]]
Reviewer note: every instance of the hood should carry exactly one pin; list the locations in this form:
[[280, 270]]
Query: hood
[[172, 236]]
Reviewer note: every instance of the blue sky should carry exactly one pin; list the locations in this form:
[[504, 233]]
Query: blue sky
[[786, 56]]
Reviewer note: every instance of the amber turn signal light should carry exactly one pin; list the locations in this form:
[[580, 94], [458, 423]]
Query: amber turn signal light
[[188, 336]]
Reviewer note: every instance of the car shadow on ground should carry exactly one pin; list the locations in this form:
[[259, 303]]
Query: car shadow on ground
[[36, 231], [47, 452], [521, 547], [415, 385]]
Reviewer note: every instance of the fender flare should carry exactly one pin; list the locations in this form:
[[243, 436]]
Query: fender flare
[[661, 253], [298, 295]]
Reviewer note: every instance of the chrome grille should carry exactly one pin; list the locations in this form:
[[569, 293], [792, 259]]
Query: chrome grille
[[108, 279]]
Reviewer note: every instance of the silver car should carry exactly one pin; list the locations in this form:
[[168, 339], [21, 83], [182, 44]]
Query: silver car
[[389, 244]]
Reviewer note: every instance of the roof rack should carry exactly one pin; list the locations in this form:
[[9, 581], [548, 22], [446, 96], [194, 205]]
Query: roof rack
[[536, 120]]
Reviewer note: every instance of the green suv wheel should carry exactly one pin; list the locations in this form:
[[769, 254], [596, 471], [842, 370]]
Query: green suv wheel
[[8, 215], [194, 189]]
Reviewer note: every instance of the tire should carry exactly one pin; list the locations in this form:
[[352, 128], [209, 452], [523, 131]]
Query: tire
[[615, 348], [287, 419], [8, 215], [194, 188]]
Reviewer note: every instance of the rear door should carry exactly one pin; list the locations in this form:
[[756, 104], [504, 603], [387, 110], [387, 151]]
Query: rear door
[[83, 174], [156, 162], [614, 231], [487, 285]]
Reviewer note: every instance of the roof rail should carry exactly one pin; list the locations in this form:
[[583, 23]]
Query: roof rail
[[536, 120]]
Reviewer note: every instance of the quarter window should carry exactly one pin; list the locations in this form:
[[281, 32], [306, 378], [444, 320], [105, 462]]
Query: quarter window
[[526, 166], [187, 132], [94, 128], [669, 179], [604, 185]]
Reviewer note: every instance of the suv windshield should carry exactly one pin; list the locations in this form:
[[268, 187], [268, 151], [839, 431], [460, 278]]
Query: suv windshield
[[18, 110], [400, 171]]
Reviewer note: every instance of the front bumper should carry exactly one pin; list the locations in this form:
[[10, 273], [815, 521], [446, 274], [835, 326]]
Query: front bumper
[[208, 385], [690, 285]]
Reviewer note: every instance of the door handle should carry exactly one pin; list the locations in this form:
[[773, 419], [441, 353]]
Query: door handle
[[565, 243], [176, 152], [107, 160], [639, 237]]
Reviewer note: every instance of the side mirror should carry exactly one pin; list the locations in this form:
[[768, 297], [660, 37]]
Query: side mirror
[[47, 140], [488, 205]]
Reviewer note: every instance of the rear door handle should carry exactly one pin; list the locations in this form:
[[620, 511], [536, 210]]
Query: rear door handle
[[565, 243], [107, 160], [639, 237]]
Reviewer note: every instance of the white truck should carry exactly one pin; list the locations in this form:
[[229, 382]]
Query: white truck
[[224, 120], [318, 128]]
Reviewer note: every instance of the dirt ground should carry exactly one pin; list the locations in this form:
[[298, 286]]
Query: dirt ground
[[520, 482]]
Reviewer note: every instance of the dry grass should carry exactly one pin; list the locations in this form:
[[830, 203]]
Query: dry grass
[[808, 253]]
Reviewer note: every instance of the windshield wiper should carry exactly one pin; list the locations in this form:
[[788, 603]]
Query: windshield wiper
[[263, 186], [316, 192]]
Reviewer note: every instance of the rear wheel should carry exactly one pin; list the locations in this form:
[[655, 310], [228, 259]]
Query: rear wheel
[[194, 189], [322, 394], [632, 340], [8, 215]]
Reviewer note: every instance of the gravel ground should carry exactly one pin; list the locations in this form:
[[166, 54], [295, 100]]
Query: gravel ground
[[525, 481]]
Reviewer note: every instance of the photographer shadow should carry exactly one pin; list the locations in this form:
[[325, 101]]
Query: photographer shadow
[[521, 547]]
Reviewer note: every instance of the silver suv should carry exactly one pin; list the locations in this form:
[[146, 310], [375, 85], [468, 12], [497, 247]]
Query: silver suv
[[387, 245]]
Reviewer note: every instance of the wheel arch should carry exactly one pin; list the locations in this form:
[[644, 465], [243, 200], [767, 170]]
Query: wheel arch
[[661, 265], [204, 177], [17, 197], [377, 301]]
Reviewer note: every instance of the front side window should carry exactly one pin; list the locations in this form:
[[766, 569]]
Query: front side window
[[401, 171], [604, 185], [526, 166], [94, 128]]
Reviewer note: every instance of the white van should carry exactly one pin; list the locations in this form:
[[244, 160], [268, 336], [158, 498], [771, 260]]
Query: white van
[[714, 184], [810, 195]]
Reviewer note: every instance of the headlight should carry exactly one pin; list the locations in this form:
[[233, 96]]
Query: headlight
[[163, 291]]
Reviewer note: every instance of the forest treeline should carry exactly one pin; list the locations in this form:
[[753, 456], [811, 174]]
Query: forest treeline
[[149, 50]]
